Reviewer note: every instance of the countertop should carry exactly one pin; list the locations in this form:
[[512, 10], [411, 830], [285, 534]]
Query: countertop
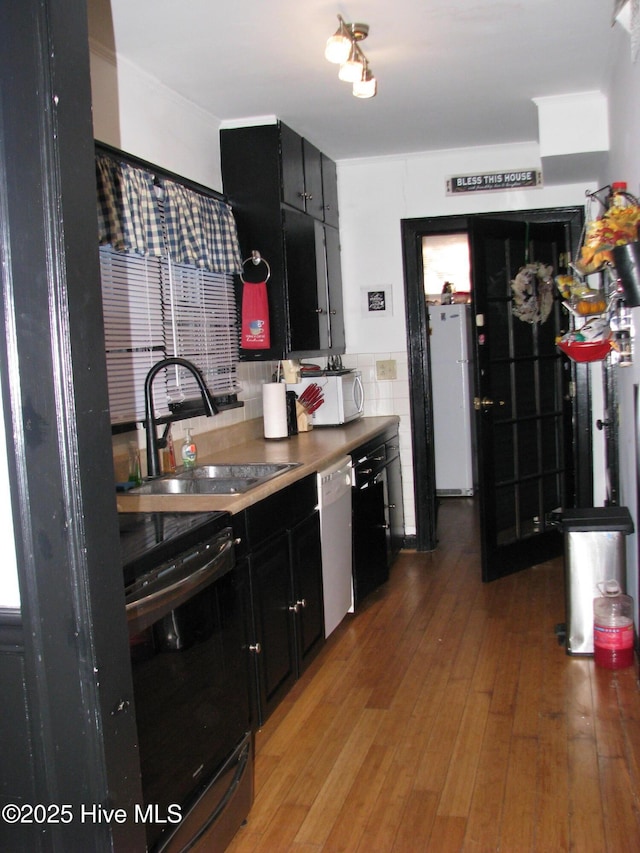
[[314, 451]]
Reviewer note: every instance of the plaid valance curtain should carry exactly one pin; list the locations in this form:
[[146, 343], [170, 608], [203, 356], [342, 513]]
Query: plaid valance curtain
[[197, 230], [200, 231]]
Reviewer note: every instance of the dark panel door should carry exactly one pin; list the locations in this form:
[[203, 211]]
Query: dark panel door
[[271, 589], [314, 204], [334, 286], [292, 161], [306, 567], [370, 537], [330, 191], [523, 409], [302, 283]]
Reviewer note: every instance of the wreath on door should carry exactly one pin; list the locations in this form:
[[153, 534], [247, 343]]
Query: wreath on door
[[533, 292]]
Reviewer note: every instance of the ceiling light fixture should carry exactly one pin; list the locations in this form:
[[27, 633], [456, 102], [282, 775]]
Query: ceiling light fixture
[[343, 48]]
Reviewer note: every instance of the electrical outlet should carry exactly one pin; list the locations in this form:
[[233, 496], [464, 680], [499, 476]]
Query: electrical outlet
[[386, 369]]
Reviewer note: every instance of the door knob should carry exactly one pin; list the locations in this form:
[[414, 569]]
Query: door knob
[[485, 403]]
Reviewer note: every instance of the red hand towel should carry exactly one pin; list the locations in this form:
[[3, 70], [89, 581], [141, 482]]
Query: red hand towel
[[255, 316]]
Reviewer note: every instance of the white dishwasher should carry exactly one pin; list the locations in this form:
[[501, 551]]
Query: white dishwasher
[[334, 492]]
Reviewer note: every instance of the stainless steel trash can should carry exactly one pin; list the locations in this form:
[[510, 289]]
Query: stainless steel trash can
[[594, 552]]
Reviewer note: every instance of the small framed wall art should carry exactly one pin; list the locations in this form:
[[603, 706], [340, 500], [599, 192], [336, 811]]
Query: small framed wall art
[[376, 302]]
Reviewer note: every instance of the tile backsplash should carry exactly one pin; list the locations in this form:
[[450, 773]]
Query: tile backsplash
[[390, 397]]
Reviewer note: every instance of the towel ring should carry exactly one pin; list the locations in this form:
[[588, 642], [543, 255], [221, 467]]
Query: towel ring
[[256, 258]]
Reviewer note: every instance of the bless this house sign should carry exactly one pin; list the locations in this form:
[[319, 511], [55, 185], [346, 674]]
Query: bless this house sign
[[515, 179]]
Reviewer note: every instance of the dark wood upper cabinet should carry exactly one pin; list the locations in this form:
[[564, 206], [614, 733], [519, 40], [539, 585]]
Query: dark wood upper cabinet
[[285, 199], [292, 168], [313, 187], [329, 191]]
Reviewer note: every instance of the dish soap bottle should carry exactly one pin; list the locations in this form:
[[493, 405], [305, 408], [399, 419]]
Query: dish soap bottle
[[189, 451]]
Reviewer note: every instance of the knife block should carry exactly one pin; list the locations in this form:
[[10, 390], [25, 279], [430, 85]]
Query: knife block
[[304, 420]]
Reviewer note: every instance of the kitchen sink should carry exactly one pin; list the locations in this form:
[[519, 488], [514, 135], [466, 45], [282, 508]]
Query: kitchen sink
[[240, 471], [215, 479]]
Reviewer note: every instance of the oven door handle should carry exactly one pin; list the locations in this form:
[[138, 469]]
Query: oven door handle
[[144, 611]]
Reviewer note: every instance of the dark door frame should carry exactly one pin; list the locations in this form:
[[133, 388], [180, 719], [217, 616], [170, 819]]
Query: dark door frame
[[419, 359], [68, 734]]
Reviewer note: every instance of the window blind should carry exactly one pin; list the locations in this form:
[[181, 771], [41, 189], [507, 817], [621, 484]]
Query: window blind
[[154, 308]]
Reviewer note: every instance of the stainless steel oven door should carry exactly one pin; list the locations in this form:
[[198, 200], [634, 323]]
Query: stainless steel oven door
[[190, 664]]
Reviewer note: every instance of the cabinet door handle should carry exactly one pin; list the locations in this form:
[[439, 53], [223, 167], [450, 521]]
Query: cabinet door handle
[[333, 313], [121, 708], [382, 526], [319, 310], [365, 471], [302, 602], [256, 647], [294, 607]]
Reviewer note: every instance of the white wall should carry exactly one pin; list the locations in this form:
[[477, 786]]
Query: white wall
[[136, 113], [377, 193]]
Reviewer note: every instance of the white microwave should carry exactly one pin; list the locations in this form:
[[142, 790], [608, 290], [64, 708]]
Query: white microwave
[[343, 397]]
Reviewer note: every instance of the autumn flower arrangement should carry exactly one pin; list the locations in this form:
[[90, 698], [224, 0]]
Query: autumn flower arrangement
[[616, 227]]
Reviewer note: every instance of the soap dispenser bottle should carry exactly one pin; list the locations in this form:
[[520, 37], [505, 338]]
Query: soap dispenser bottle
[[189, 451]]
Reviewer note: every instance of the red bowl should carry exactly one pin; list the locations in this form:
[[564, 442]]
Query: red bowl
[[583, 351]]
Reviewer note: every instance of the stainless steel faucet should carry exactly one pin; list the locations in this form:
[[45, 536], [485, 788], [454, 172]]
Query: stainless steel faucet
[[153, 443]]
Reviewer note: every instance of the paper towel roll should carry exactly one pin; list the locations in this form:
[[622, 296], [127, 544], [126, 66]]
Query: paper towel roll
[[274, 409]]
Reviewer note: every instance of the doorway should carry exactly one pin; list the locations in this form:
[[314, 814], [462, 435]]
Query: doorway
[[569, 221], [447, 288]]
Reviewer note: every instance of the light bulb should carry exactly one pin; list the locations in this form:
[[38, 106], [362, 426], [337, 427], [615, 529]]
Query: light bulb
[[338, 48], [367, 87], [352, 70]]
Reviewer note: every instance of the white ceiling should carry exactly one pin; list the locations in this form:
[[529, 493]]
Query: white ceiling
[[451, 73]]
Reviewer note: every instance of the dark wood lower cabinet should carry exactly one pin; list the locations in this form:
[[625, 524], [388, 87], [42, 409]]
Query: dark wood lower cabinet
[[377, 510], [308, 606], [280, 548], [274, 644], [370, 535], [394, 503]]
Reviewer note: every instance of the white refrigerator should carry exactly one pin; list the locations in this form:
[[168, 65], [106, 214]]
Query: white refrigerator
[[452, 386]]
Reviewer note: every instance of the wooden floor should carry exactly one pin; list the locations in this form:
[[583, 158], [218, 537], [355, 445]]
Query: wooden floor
[[445, 716]]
